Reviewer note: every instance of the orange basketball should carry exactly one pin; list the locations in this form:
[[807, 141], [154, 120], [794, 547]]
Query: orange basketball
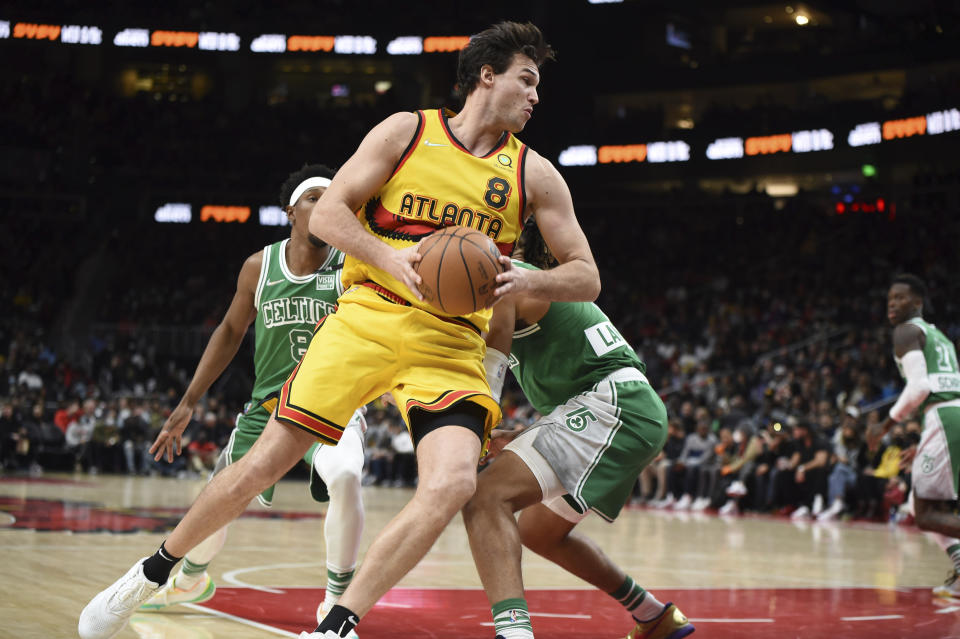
[[458, 267]]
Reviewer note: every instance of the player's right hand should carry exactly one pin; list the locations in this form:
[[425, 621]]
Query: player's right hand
[[400, 264], [499, 438], [171, 433]]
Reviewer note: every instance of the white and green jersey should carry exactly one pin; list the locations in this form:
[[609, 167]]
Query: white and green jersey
[[288, 309], [942, 370], [571, 349]]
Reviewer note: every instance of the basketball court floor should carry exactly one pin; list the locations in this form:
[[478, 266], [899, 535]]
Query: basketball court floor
[[63, 538]]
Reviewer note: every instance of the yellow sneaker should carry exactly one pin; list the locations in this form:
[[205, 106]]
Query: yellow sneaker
[[950, 588], [669, 624], [170, 595]]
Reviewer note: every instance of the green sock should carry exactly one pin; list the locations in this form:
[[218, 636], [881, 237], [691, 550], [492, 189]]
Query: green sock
[[337, 582], [638, 602], [954, 553], [511, 620], [190, 568], [190, 573]]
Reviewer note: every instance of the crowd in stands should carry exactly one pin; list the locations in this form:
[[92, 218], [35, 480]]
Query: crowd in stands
[[761, 321], [764, 331]]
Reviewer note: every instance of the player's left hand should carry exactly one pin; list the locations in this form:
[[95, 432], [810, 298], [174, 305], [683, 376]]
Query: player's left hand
[[512, 281]]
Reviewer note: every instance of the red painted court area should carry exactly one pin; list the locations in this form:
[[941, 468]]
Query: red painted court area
[[717, 613]]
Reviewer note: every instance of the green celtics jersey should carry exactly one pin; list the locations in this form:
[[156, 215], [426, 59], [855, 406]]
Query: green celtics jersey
[[942, 370], [288, 308], [572, 348]]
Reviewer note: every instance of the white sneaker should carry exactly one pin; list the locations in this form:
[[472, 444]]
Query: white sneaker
[[950, 588], [683, 504], [329, 634], [832, 512], [171, 595], [800, 513], [730, 508], [107, 613], [736, 489], [322, 611], [666, 502], [817, 504], [700, 503]]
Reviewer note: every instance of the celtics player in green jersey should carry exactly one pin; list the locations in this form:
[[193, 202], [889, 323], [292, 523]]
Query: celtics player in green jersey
[[927, 361], [602, 424], [285, 289]]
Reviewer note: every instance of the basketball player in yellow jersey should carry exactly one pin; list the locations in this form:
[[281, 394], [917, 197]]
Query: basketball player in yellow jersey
[[465, 169]]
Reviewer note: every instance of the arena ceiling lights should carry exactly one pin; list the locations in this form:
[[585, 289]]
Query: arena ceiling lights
[[66, 33], [655, 152], [182, 213], [735, 148], [138, 37]]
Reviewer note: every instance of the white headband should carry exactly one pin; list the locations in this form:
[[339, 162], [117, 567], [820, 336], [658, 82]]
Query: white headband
[[309, 183]]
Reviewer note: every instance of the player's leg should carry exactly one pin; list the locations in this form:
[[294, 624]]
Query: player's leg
[[221, 501], [935, 472], [192, 583], [942, 524], [440, 388], [551, 536], [447, 455], [340, 469], [591, 465], [504, 487]]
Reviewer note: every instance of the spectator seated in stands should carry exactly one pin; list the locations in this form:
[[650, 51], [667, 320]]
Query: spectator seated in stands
[[804, 484], [80, 435], [378, 451], [660, 470], [202, 452], [773, 459], [879, 466], [696, 461], [738, 468], [843, 475]]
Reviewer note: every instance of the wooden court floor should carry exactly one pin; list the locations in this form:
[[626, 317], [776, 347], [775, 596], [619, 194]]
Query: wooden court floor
[[63, 538]]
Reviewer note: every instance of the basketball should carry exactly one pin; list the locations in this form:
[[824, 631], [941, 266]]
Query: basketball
[[458, 267]]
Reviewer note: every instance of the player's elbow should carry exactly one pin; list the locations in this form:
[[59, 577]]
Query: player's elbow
[[592, 288]]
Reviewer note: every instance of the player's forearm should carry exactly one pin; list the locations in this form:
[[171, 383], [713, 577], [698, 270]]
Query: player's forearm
[[575, 281], [220, 351], [912, 396], [338, 226]]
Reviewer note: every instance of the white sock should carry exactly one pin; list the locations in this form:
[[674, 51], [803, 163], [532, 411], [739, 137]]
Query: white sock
[[647, 609], [194, 568]]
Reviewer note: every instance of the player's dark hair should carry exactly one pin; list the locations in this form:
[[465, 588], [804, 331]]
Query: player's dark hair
[[496, 46], [533, 248], [916, 285], [295, 178]]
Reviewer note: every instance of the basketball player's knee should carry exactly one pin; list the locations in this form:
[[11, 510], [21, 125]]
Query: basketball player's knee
[[248, 479], [344, 481], [452, 490], [535, 539]]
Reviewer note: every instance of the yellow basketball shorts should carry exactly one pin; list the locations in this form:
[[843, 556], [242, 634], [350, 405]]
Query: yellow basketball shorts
[[374, 344]]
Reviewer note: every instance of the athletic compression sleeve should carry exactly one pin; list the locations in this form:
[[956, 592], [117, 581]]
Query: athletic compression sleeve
[[917, 388], [495, 364]]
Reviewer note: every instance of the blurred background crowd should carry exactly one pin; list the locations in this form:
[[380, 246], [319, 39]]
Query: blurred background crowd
[[754, 289]]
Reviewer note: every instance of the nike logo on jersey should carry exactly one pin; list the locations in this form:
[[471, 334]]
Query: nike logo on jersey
[[269, 283], [429, 143]]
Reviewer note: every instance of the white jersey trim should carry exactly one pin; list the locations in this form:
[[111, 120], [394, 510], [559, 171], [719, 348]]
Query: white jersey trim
[[287, 273], [264, 269], [526, 332]]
